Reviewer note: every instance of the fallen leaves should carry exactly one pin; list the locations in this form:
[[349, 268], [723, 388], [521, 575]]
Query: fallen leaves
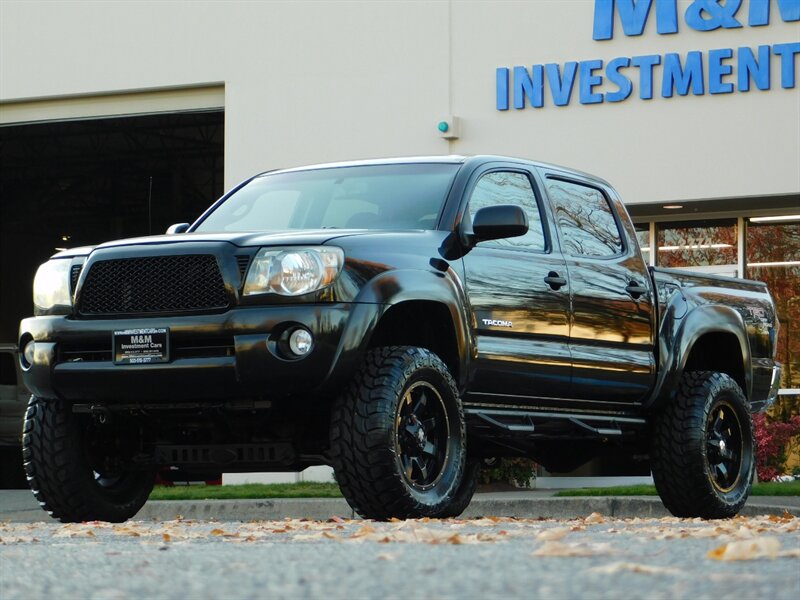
[[554, 534], [765, 547], [629, 567], [594, 519], [76, 530], [563, 549], [593, 536]]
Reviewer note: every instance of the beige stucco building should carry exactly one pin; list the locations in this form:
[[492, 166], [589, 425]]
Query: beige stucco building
[[290, 83]]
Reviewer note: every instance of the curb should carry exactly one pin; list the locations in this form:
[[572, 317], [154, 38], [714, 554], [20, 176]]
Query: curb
[[247, 510], [24, 509], [528, 508]]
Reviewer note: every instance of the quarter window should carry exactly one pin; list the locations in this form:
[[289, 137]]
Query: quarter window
[[506, 187], [584, 217]]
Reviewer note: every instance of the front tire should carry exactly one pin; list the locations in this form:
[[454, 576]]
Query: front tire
[[703, 454], [398, 440], [463, 496], [77, 473]]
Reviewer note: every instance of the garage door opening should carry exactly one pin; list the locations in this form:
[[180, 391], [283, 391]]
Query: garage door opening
[[73, 183]]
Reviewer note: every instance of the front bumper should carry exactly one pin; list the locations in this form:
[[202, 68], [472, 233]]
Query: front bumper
[[232, 355]]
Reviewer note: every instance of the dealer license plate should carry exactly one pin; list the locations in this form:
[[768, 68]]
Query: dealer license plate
[[141, 346]]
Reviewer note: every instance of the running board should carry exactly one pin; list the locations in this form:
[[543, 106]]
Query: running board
[[535, 424]]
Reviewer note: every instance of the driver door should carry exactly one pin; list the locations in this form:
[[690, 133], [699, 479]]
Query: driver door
[[520, 320]]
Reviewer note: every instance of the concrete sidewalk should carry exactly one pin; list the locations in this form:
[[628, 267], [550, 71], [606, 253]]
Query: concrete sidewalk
[[20, 506]]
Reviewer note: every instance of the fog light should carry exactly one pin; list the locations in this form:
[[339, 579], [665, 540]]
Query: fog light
[[28, 352], [300, 342]]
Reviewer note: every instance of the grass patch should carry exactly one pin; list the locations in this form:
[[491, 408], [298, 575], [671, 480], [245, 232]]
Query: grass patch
[[306, 489], [619, 490], [771, 488], [777, 488]]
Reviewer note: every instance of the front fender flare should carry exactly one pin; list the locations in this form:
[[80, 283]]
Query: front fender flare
[[390, 289]]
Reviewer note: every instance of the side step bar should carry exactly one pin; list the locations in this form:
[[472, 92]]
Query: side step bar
[[538, 425]]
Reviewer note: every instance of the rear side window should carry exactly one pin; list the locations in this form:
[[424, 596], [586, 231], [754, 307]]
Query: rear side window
[[585, 220], [507, 187]]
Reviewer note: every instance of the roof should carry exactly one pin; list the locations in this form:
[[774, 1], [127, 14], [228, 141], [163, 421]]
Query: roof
[[444, 159]]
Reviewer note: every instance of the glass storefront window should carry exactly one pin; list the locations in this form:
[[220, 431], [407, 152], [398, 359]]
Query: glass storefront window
[[697, 244], [773, 256], [643, 237]]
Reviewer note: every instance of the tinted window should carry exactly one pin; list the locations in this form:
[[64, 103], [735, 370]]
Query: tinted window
[[503, 187], [408, 196], [584, 217]]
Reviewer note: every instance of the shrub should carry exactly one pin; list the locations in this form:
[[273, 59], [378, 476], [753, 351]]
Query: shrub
[[516, 471], [773, 440]]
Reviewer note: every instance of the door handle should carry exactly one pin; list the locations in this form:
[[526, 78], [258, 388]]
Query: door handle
[[636, 289], [554, 280]]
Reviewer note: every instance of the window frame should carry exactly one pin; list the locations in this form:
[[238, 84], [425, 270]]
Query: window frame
[[625, 245], [538, 197]]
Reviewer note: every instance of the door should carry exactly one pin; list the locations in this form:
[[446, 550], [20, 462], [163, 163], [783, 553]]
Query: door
[[613, 320], [520, 320]]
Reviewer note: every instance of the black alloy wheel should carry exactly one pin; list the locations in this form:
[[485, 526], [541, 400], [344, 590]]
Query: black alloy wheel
[[724, 446], [422, 430]]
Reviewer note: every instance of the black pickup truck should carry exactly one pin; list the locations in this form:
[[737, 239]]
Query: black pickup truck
[[403, 321]]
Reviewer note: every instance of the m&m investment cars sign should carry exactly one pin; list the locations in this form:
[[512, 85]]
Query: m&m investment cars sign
[[698, 72]]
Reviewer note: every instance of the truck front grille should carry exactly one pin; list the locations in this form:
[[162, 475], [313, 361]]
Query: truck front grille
[[101, 351], [153, 284]]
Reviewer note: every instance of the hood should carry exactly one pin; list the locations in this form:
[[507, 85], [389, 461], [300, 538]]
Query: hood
[[237, 238], [306, 237]]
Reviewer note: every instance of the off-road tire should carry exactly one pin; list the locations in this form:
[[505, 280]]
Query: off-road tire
[[364, 438], [53, 450], [681, 461], [465, 492]]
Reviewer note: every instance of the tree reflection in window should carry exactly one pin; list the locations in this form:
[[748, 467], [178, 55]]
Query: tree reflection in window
[[773, 251], [585, 220], [505, 187], [697, 244], [643, 237]]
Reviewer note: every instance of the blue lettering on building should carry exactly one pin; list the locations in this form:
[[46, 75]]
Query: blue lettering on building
[[702, 15], [716, 71]]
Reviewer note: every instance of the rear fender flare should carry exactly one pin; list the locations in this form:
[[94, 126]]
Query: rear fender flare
[[675, 353]]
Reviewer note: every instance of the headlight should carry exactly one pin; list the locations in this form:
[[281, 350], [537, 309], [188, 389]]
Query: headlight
[[51, 285], [293, 271]]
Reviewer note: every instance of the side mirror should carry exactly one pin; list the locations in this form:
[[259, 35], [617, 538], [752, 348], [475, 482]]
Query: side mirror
[[497, 222], [177, 228]]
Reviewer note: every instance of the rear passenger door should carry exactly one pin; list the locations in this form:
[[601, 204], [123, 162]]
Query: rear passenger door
[[520, 320], [613, 320]]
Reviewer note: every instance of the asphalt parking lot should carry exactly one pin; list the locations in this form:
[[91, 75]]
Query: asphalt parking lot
[[589, 557]]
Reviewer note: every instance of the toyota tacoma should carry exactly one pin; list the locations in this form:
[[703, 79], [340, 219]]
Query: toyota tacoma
[[403, 321]]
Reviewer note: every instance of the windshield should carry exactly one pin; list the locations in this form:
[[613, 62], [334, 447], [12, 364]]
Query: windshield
[[405, 196]]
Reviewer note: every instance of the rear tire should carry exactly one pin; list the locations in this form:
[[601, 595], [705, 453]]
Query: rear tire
[[703, 454], [398, 441], [71, 478]]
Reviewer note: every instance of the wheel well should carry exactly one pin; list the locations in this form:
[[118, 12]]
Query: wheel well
[[421, 323], [719, 352]]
